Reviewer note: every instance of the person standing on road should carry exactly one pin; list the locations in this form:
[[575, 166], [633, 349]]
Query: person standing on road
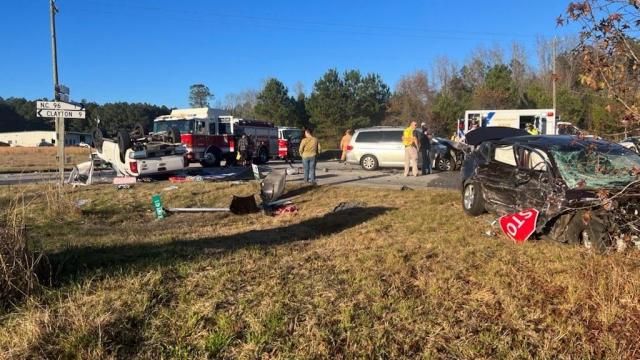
[[410, 143], [425, 148], [243, 149], [309, 150], [346, 139]]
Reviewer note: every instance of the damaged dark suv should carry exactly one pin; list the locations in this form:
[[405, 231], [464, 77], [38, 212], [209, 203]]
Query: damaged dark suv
[[586, 190]]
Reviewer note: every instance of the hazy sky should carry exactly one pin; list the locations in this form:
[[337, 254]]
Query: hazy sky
[[151, 51]]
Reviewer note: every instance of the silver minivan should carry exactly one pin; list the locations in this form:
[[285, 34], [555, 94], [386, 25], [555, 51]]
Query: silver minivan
[[376, 147], [382, 146]]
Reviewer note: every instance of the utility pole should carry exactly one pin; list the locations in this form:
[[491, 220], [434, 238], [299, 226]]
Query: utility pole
[[59, 121], [555, 76]]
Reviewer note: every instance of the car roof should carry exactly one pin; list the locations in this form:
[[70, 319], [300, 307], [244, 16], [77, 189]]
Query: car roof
[[380, 128], [546, 142]]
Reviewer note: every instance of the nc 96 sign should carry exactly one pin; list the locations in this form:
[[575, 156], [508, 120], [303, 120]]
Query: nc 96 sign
[[520, 226], [53, 109]]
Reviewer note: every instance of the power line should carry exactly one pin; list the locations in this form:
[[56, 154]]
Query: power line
[[306, 25]]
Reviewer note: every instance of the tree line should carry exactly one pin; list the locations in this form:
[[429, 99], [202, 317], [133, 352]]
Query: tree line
[[596, 77]]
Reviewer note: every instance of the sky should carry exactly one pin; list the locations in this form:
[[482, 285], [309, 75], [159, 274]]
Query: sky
[[153, 50]]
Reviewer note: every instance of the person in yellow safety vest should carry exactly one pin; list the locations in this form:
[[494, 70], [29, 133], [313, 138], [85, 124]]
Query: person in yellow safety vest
[[532, 130], [411, 146]]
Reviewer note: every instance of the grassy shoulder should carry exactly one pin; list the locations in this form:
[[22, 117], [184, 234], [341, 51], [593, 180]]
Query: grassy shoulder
[[29, 159], [408, 276]]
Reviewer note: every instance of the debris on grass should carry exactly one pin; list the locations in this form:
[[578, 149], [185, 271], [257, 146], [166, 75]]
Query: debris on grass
[[82, 202], [349, 205], [288, 209]]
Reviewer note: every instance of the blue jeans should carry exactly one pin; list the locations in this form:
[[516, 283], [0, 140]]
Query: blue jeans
[[426, 162], [309, 165]]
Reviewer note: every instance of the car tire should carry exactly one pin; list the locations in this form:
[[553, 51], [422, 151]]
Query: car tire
[[98, 139], [472, 201], [124, 143], [444, 164], [138, 131], [212, 158], [369, 162]]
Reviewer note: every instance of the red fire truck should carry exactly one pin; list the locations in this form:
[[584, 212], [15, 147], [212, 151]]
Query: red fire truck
[[210, 135], [289, 142]]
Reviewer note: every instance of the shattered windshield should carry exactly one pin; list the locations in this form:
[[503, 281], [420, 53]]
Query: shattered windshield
[[596, 166], [185, 126]]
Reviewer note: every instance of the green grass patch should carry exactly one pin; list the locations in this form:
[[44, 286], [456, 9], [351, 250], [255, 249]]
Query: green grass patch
[[409, 276]]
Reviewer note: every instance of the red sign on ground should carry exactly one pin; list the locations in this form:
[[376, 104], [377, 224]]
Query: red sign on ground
[[520, 226]]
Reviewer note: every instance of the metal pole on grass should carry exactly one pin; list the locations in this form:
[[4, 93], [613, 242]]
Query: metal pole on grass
[[59, 121]]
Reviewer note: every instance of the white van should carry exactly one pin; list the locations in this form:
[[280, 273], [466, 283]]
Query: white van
[[381, 146], [542, 119]]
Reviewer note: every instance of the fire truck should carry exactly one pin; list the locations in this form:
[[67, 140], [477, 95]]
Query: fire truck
[[210, 135], [289, 142]]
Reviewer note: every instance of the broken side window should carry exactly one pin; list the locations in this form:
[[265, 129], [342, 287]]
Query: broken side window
[[505, 155], [531, 159]]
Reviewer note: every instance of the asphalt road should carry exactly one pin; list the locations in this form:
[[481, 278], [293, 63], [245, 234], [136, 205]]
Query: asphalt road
[[327, 173]]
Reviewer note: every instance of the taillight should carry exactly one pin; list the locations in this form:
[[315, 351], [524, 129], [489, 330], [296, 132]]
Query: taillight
[[232, 145], [349, 147], [133, 166]]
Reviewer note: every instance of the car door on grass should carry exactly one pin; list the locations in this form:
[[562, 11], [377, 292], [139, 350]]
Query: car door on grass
[[532, 179], [497, 176]]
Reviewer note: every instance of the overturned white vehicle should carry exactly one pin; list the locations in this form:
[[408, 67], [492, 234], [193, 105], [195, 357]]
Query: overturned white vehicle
[[138, 155]]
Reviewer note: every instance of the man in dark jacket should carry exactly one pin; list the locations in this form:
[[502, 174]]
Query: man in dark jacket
[[425, 148]]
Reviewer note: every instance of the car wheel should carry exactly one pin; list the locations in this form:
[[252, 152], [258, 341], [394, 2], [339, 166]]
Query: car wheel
[[444, 164], [211, 158], [124, 143], [472, 201], [369, 162]]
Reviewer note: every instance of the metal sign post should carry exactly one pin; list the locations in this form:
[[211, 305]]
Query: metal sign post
[[59, 120]]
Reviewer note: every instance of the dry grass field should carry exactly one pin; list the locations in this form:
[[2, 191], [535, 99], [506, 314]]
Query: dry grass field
[[409, 276], [29, 159]]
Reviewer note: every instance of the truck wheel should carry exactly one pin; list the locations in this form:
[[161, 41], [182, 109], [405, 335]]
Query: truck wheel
[[98, 139], [211, 158], [263, 156], [124, 143], [138, 131]]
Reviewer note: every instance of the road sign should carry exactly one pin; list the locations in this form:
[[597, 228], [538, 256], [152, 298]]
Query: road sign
[[58, 105], [68, 114], [519, 227], [62, 89]]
